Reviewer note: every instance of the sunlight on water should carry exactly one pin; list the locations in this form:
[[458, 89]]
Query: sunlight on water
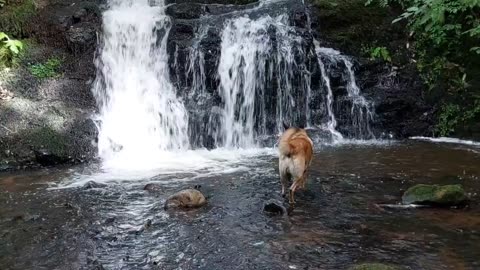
[[446, 140], [170, 167]]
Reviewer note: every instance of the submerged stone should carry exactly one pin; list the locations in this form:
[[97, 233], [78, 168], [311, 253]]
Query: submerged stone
[[373, 266], [152, 187], [274, 207], [188, 198], [448, 195], [93, 184]]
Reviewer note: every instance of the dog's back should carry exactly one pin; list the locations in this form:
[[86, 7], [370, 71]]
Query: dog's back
[[296, 153]]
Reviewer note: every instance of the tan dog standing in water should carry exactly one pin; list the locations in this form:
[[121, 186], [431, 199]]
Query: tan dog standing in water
[[296, 153]]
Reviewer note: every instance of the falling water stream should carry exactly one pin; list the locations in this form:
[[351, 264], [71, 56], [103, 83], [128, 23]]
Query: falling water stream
[[140, 115]]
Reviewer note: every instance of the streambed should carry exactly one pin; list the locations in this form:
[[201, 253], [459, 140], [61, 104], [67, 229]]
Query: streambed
[[118, 225]]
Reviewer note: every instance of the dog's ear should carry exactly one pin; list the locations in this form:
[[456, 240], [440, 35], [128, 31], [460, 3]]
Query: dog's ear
[[285, 125]]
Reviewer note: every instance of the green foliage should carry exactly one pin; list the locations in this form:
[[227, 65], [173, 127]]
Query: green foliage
[[449, 119], [379, 53], [3, 3], [48, 69], [452, 115], [446, 48], [9, 48], [14, 17]]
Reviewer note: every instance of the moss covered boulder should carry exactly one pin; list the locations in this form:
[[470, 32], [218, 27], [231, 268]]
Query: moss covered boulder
[[448, 195], [373, 266]]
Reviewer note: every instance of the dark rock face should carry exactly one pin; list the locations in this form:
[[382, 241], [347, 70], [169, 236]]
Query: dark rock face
[[400, 108], [398, 93]]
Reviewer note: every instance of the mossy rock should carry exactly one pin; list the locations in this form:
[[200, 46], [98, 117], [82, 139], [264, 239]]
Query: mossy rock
[[447, 195], [373, 266], [47, 138]]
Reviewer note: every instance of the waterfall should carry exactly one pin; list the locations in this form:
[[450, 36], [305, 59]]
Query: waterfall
[[139, 112], [244, 51], [267, 72], [332, 121], [361, 112], [266, 79], [257, 56]]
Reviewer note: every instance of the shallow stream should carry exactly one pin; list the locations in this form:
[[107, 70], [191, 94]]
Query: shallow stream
[[51, 219]]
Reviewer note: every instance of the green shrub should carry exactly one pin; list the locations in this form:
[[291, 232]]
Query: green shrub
[[378, 53], [48, 69], [9, 48]]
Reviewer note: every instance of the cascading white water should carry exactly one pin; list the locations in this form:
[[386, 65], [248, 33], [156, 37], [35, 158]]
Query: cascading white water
[[139, 113], [265, 51], [195, 69], [244, 51], [332, 122], [361, 110], [251, 59]]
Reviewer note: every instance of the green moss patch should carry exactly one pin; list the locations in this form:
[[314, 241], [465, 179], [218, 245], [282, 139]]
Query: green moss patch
[[48, 69], [373, 266], [47, 138]]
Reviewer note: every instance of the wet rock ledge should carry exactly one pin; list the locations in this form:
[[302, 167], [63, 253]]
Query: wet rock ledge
[[45, 118]]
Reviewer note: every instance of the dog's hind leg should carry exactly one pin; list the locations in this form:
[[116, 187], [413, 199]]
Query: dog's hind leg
[[296, 184], [284, 176]]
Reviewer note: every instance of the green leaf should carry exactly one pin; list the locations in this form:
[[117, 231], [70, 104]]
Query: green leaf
[[3, 36], [397, 20]]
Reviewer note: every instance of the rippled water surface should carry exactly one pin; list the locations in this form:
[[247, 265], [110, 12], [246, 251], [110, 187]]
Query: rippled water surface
[[51, 220]]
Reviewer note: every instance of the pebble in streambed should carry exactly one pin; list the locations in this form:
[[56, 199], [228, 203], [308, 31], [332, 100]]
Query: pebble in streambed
[[152, 187], [188, 198]]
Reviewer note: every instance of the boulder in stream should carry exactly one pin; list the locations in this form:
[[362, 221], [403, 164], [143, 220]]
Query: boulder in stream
[[188, 198], [274, 207], [373, 266], [447, 195]]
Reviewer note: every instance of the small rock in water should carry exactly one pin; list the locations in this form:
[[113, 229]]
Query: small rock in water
[[448, 195], [188, 198], [93, 184], [373, 266], [274, 207], [152, 187]]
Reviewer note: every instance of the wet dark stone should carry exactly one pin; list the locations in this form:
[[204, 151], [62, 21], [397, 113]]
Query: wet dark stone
[[81, 37], [46, 158], [110, 220], [274, 207], [186, 11], [79, 15], [152, 187], [93, 184]]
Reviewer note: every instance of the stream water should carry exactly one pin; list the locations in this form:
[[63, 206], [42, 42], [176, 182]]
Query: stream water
[[335, 224]]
